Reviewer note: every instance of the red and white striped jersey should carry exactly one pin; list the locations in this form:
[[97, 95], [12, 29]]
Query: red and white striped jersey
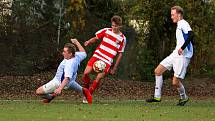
[[110, 45]]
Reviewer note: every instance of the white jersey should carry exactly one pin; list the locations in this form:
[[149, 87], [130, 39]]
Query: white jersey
[[69, 68], [181, 36]]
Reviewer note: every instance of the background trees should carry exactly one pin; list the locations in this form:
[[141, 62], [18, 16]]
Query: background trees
[[28, 36]]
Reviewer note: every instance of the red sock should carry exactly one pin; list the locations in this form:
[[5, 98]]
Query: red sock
[[93, 86], [86, 80]]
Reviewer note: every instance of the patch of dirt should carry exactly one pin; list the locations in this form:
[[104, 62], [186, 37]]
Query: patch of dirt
[[23, 87]]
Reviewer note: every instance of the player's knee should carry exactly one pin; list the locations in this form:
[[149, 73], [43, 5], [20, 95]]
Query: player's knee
[[86, 72], [38, 91], [157, 72], [97, 80], [175, 84]]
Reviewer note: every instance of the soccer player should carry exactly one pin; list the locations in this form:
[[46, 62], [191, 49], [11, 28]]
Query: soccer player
[[178, 59], [66, 74], [113, 42]]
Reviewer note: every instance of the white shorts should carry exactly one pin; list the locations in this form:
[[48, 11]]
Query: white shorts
[[51, 86], [179, 65]]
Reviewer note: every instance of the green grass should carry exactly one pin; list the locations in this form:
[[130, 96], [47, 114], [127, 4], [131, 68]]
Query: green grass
[[202, 110]]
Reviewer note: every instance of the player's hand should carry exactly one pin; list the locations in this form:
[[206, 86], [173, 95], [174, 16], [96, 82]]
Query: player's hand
[[112, 71], [58, 91], [86, 43], [180, 51], [74, 41]]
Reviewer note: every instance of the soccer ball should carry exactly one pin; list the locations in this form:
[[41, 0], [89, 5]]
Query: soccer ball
[[99, 66]]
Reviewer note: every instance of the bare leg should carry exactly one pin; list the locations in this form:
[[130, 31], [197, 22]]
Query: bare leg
[[176, 82]]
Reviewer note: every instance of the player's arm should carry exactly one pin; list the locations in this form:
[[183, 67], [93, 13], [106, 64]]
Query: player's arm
[[90, 41], [62, 85], [80, 47], [113, 70], [189, 39], [99, 35], [81, 55]]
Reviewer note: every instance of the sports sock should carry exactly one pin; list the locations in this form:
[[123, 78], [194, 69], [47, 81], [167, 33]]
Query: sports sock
[[86, 79], [47, 96], [93, 86], [158, 86], [181, 91]]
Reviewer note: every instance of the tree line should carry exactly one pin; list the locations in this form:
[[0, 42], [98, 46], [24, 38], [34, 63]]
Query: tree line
[[29, 44]]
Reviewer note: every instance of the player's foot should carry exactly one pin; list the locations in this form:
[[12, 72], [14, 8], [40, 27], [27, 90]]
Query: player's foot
[[182, 102], [85, 100], [48, 100], [88, 95], [154, 99]]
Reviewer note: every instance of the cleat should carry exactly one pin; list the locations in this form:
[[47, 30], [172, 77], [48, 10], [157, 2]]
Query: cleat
[[46, 100], [88, 95], [182, 102], [84, 100], [154, 99]]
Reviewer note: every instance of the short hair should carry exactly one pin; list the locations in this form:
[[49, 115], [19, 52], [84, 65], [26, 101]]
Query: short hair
[[71, 48], [178, 9], [117, 20]]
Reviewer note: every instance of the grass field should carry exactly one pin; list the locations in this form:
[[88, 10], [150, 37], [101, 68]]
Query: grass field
[[201, 110]]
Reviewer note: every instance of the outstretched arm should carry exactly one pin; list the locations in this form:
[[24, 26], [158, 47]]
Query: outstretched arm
[[90, 41], [80, 47]]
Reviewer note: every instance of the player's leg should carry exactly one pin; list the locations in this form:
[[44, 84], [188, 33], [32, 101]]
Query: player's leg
[[96, 82], [180, 87], [180, 68], [167, 63], [89, 68], [75, 86], [86, 78], [158, 83], [46, 91], [159, 80]]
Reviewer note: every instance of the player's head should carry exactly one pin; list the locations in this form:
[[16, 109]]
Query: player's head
[[176, 13], [116, 22], [69, 50]]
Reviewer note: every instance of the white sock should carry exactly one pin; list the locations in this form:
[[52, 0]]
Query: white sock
[[158, 86], [181, 91]]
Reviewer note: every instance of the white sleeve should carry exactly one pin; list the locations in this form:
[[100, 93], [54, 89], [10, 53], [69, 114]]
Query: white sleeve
[[185, 27], [80, 56]]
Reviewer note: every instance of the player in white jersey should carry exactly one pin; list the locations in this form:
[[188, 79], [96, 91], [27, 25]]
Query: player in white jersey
[[178, 59], [66, 74]]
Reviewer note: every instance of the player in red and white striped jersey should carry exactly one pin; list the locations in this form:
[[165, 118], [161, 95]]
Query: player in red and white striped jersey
[[113, 42]]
